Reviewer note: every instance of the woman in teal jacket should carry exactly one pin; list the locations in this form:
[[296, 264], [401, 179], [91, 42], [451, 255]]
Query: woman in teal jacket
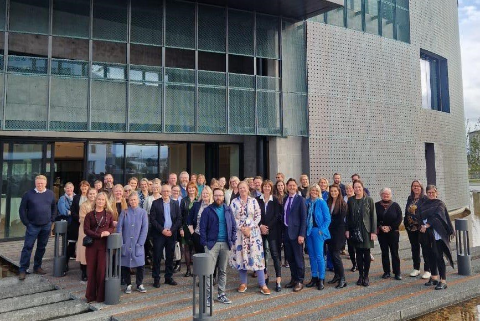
[[318, 221]]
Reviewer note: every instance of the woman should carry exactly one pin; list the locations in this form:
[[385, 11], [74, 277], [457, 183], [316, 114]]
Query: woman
[[186, 236], [323, 183], [156, 190], [389, 217], [338, 211], [279, 193], [194, 216], [232, 192], [348, 191], [98, 185], [361, 227], [72, 232], [412, 225], [118, 202], [133, 182], [65, 213], [133, 225], [127, 190], [318, 220], [214, 184], [200, 184], [143, 192], [351, 249], [98, 225], [437, 230], [247, 254], [270, 228], [85, 208]]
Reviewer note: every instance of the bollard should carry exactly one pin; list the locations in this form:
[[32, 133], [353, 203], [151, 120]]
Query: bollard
[[203, 268], [463, 247], [60, 250], [112, 275]]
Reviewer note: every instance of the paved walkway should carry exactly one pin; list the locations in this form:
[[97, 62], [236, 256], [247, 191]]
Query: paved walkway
[[383, 300]]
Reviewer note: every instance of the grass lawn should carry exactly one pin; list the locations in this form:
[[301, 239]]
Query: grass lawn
[[476, 181]]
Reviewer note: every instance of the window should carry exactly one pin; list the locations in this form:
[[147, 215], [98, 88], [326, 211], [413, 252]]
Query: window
[[27, 53], [434, 81], [71, 18]]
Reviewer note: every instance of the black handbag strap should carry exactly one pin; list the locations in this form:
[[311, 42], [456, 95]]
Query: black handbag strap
[[98, 223]]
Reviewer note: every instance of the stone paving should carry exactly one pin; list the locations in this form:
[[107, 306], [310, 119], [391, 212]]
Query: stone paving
[[384, 299]]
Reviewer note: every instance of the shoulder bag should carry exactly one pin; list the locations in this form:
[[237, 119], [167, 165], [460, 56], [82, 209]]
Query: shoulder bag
[[88, 240]]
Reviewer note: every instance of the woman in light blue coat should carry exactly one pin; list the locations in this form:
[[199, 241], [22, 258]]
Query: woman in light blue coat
[[133, 225], [318, 221]]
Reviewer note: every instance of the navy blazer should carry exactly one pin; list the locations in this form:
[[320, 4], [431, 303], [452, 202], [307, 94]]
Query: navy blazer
[[157, 217], [192, 215], [209, 227], [297, 220]]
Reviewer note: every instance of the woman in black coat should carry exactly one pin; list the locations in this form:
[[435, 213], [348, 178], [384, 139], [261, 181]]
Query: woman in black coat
[[338, 210], [389, 217], [271, 227], [186, 238], [73, 226]]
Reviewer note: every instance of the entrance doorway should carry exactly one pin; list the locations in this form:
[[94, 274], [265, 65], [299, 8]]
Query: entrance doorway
[[68, 160]]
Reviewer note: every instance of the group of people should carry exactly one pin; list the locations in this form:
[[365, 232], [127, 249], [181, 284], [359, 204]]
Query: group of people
[[243, 226]]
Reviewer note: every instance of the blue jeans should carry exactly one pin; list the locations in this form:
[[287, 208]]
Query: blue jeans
[[39, 233], [315, 252]]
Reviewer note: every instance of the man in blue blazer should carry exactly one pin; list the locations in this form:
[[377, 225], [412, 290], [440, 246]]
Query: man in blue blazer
[[295, 224]]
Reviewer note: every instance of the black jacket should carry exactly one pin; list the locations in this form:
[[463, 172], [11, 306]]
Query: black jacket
[[72, 233], [391, 217], [273, 218], [337, 227], [157, 217], [184, 205]]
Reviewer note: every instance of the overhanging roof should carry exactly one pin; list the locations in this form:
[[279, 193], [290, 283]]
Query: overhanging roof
[[294, 9]]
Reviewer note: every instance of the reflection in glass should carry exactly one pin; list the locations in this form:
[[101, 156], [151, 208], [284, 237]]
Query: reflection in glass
[[388, 11], [354, 14], [105, 158], [229, 161], [29, 16], [71, 18], [198, 158], [175, 157], [402, 20], [110, 20], [142, 161], [371, 16]]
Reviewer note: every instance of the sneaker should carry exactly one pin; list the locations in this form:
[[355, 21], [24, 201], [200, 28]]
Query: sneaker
[[415, 273], [141, 289], [128, 290], [209, 302], [372, 258], [426, 275], [223, 299], [242, 288]]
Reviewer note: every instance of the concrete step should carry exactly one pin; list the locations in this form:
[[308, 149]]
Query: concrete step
[[48, 311], [12, 287], [91, 316], [33, 300]]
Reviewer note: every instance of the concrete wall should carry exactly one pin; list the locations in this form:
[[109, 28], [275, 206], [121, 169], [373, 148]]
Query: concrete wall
[[288, 156], [365, 109]]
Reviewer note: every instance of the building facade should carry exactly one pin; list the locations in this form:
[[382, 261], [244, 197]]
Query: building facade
[[143, 88]]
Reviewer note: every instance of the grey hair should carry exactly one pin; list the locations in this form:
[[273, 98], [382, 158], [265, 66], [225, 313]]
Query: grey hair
[[385, 189]]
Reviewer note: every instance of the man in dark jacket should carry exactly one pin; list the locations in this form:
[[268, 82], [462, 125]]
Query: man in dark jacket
[[217, 235], [37, 212], [166, 219]]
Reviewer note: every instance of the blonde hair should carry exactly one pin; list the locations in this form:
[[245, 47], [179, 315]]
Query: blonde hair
[[209, 190], [108, 206], [315, 187], [41, 177]]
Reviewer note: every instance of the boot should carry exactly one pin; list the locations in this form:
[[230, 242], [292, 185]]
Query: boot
[[66, 265], [341, 283], [335, 279], [84, 272], [320, 284], [313, 282]]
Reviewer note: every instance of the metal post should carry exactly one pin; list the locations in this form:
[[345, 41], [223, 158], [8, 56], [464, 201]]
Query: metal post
[[463, 247], [203, 269], [112, 275], [60, 255]]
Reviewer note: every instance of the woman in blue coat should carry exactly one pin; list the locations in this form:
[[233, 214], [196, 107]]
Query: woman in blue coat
[[133, 225], [318, 220]]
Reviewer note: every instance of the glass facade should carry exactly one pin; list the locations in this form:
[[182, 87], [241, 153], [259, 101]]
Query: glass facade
[[150, 66], [386, 18]]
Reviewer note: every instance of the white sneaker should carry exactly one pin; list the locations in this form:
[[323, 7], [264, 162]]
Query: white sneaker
[[128, 290], [415, 273], [426, 275], [141, 289]]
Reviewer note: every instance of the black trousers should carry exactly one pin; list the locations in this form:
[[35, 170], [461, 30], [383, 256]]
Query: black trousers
[[196, 243], [437, 263], [351, 252], [161, 242], [389, 246], [294, 256], [274, 246], [337, 263], [363, 261], [138, 275], [414, 238]]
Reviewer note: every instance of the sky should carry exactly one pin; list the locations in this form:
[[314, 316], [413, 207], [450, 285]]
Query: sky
[[469, 20]]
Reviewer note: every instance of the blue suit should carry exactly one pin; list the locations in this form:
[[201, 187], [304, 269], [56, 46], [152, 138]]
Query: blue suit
[[318, 221]]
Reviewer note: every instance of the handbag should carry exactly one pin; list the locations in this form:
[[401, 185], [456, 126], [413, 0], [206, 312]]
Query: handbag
[[87, 240], [177, 252]]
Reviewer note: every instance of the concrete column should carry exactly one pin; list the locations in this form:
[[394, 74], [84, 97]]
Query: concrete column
[[288, 155]]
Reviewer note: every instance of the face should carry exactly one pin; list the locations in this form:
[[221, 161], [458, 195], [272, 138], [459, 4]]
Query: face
[[358, 189], [215, 185], [334, 192], [101, 201], [292, 188], [336, 179], [184, 180], [175, 192], [313, 193], [281, 187], [91, 195], [349, 190], [68, 189], [133, 201], [258, 184], [432, 194], [218, 197], [150, 186], [98, 186], [84, 189], [127, 191], [205, 196], [234, 183], [40, 184], [133, 184], [386, 196], [243, 190], [172, 179], [108, 180], [118, 193], [279, 177], [323, 185], [267, 189], [166, 192], [193, 178], [201, 180], [144, 186], [251, 184], [222, 182], [304, 181], [191, 190], [156, 188], [416, 188], [354, 178]]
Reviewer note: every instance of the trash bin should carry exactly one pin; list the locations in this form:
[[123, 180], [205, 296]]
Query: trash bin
[[463, 247], [112, 275], [60, 250], [202, 268]]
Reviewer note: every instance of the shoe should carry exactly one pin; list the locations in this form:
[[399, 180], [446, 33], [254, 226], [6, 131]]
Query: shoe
[[128, 290], [287, 265], [290, 284], [171, 282], [266, 281], [398, 277], [177, 268], [298, 287], [265, 290], [242, 288], [278, 287], [354, 268], [372, 258], [321, 285], [426, 275], [341, 283], [386, 275], [312, 283], [366, 281], [441, 286], [415, 273], [360, 281], [188, 274], [335, 279], [209, 302], [39, 271], [156, 283], [431, 282], [22, 275], [141, 289], [223, 299]]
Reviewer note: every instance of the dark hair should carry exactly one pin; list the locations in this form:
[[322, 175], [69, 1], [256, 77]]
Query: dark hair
[[430, 187], [339, 202], [335, 174], [218, 189], [292, 180], [359, 182], [267, 182], [258, 177], [355, 175], [422, 193]]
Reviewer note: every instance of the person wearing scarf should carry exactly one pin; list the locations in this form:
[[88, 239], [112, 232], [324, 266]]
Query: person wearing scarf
[[436, 229]]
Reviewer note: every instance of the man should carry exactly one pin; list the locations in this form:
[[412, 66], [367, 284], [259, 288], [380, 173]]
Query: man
[[166, 219], [176, 197], [304, 185], [217, 234], [337, 179], [295, 221], [37, 212], [356, 177], [172, 179], [280, 177], [184, 179], [257, 186], [108, 183], [150, 187]]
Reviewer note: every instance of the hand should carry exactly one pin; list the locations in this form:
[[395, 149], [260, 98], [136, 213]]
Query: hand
[[115, 223], [423, 229], [246, 231], [264, 229], [373, 236], [167, 232], [301, 239], [105, 234], [190, 228], [182, 233], [347, 234]]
